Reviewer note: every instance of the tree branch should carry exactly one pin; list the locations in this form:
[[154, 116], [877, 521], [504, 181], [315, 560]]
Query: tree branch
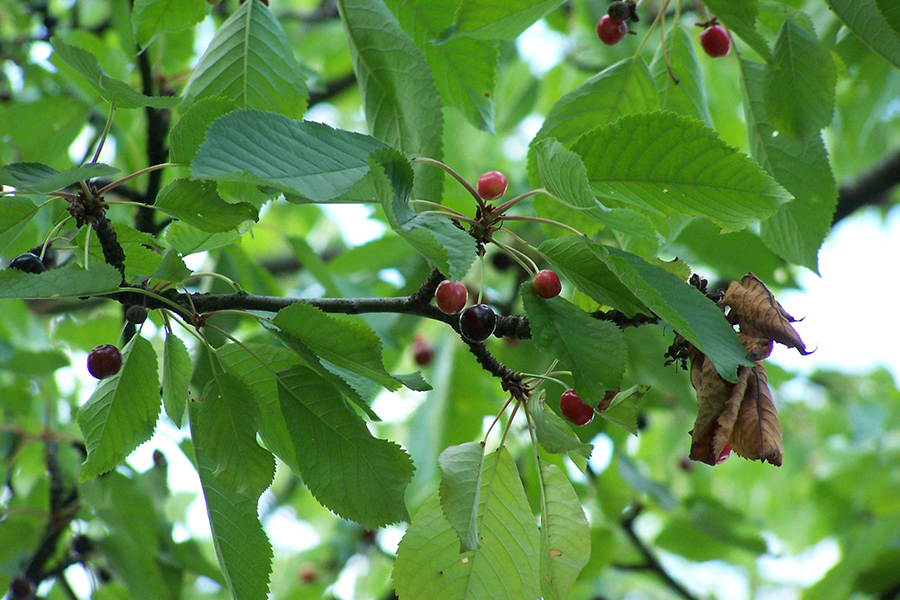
[[871, 188]]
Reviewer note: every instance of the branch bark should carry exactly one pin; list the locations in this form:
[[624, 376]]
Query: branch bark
[[871, 188]]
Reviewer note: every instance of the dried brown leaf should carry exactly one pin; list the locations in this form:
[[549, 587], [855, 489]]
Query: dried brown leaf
[[759, 314], [718, 403], [757, 433], [757, 348]]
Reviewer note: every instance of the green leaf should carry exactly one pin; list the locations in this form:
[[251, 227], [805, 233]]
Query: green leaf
[[623, 408], [553, 433], [198, 204], [740, 17], [682, 306], [29, 363], [358, 476], [230, 418], [687, 95], [450, 250], [800, 83], [35, 177], [593, 350], [484, 19], [250, 61], [87, 65], [171, 269], [464, 69], [624, 88], [189, 240], [298, 157], [670, 163], [890, 10], [15, 214], [563, 174], [188, 133], [797, 230], [121, 413], [869, 24], [244, 551], [150, 18], [504, 567], [67, 281], [176, 377], [36, 137], [401, 101], [565, 534], [462, 468]]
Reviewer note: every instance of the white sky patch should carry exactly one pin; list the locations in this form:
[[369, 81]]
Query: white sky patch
[[288, 533], [79, 147], [541, 47], [802, 569], [354, 223]]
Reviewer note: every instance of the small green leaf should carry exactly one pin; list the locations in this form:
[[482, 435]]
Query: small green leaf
[[682, 89], [189, 240], [67, 281], [870, 26], [563, 174], [87, 65], [740, 17], [623, 408], [250, 61], [485, 19], [188, 133], [150, 18], [358, 476], [35, 177], [670, 163], [15, 214], [565, 534], [298, 157], [592, 349], [176, 377], [172, 269], [553, 433], [198, 204], [891, 12], [462, 468], [121, 413]]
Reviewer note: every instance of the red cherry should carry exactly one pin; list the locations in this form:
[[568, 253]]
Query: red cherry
[[423, 352], [492, 185], [574, 409], [477, 322], [546, 284], [724, 454], [104, 361], [686, 464], [611, 31], [451, 296], [715, 41]]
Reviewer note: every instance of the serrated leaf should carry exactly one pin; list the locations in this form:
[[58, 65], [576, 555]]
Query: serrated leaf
[[197, 203], [189, 240], [800, 83], [399, 96], [176, 377], [358, 476], [593, 350], [870, 26], [15, 214], [553, 433], [890, 10], [670, 163], [506, 565], [797, 230], [87, 65], [484, 19], [623, 408], [65, 282], [250, 61], [450, 249], [299, 157], [682, 306], [244, 551], [565, 534], [121, 413], [171, 269], [150, 18], [462, 468], [563, 174], [36, 177], [687, 95], [188, 133], [740, 17]]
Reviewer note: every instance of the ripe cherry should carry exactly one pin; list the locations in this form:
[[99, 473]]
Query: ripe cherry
[[104, 361], [715, 41], [574, 409], [492, 185], [546, 284], [477, 322], [28, 262], [423, 352], [611, 31], [451, 296]]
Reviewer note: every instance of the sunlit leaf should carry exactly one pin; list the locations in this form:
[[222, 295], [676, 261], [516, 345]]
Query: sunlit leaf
[[176, 377], [67, 281], [484, 19], [197, 204], [462, 469], [151, 18], [565, 534], [869, 24], [35, 177], [680, 84]]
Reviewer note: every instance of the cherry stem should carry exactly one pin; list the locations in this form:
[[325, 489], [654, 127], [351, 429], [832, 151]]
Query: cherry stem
[[450, 215], [457, 176], [497, 418], [517, 255], [440, 207], [542, 220], [512, 202], [144, 171], [548, 378], [109, 120]]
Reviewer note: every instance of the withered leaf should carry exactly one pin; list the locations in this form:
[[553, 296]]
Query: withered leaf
[[757, 433], [759, 314], [757, 348], [718, 403]]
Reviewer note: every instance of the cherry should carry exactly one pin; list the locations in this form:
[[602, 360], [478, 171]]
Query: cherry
[[574, 409], [546, 284], [28, 262], [492, 185], [104, 361], [477, 322], [715, 41], [451, 296], [611, 31], [307, 573], [136, 314], [686, 464], [21, 588], [423, 352]]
